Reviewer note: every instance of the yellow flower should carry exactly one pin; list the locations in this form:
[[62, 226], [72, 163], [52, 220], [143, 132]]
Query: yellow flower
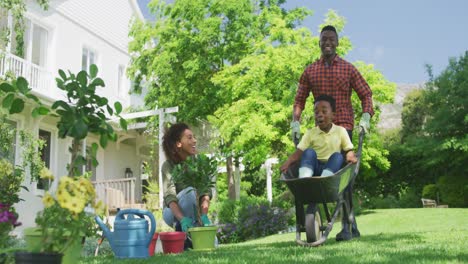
[[48, 200], [46, 174]]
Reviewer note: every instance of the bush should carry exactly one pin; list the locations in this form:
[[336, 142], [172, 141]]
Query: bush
[[380, 202], [453, 190], [430, 191], [249, 218], [409, 199], [261, 220]]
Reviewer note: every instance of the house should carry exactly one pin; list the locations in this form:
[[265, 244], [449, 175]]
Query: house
[[71, 35]]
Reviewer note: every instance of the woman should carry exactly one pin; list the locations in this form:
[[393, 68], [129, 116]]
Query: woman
[[179, 144]]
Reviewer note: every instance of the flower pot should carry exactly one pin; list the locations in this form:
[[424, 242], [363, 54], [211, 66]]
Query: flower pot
[[33, 238], [203, 238], [172, 242], [37, 258], [152, 245]]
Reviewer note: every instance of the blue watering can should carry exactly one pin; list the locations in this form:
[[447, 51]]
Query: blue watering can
[[131, 237]]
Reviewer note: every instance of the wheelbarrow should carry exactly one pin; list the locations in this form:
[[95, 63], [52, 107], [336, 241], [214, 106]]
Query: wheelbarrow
[[316, 192]]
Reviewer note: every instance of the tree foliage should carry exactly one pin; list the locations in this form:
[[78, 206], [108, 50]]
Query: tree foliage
[[434, 137]]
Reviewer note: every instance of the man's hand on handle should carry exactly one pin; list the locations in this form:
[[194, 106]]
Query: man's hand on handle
[[365, 122], [295, 130]]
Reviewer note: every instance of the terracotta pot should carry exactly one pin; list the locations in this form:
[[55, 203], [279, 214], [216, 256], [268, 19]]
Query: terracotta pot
[[152, 245], [172, 242]]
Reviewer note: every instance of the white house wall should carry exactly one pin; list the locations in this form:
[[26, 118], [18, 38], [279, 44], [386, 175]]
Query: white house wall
[[101, 25]]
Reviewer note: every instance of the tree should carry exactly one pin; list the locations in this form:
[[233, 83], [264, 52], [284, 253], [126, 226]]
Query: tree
[[433, 148]]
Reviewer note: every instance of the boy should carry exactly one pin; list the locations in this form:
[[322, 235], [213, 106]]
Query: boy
[[320, 148]]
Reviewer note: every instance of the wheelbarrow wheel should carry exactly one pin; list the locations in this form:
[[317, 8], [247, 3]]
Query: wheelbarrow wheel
[[312, 224]]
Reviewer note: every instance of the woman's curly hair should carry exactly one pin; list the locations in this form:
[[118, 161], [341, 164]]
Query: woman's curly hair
[[170, 138]]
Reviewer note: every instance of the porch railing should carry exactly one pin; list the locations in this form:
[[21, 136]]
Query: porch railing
[[39, 79], [116, 193]]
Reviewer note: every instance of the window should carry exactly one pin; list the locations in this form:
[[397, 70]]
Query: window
[[88, 57], [46, 136], [38, 45], [35, 43], [121, 81]]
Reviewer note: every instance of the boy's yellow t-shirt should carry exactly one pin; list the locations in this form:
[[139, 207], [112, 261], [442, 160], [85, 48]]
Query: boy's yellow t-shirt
[[325, 144]]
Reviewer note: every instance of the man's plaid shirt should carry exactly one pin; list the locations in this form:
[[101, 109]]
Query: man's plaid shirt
[[336, 80]]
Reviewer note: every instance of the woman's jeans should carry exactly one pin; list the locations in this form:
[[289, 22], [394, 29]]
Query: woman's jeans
[[309, 160], [187, 204]]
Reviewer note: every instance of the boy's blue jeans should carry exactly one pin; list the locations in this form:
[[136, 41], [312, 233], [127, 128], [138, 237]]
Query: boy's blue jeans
[[309, 160]]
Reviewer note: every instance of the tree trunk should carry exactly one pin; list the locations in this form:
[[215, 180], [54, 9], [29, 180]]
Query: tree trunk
[[237, 178], [230, 179]]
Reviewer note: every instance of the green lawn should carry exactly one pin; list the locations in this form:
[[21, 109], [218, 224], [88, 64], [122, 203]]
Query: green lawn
[[429, 235]]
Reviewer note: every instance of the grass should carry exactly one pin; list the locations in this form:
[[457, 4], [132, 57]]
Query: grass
[[425, 235]]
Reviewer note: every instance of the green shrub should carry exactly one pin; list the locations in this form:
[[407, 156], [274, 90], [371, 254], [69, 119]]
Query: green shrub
[[409, 199], [430, 191], [380, 202], [453, 190], [251, 217]]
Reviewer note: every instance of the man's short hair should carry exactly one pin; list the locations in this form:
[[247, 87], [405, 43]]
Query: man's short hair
[[329, 28], [327, 98]]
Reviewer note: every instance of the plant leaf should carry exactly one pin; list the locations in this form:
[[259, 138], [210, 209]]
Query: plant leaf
[[8, 100], [22, 85], [17, 106], [118, 107], [93, 70], [6, 87], [62, 74], [123, 124]]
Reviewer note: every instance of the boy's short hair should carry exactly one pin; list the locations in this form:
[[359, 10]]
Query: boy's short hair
[[328, 98], [329, 28]]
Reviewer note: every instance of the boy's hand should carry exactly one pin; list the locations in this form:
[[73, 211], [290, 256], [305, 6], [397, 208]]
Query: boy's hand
[[351, 157], [285, 166]]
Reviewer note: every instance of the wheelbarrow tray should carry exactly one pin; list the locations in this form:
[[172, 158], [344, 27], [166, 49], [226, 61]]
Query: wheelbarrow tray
[[319, 189]]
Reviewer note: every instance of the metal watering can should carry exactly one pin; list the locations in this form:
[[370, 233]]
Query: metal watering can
[[131, 237]]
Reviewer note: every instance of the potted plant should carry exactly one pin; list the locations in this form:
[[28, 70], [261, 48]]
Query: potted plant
[[199, 172], [64, 221]]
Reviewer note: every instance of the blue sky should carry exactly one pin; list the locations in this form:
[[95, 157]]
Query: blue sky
[[397, 36]]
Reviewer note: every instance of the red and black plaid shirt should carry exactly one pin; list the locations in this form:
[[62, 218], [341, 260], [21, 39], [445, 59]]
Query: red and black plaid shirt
[[336, 80]]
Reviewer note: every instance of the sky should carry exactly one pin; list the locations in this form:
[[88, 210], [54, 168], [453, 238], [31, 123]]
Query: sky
[[399, 37]]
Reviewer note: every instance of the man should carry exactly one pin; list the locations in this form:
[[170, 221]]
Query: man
[[334, 76]]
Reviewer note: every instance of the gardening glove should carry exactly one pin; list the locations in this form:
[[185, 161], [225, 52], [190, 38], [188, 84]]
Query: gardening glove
[[186, 223], [295, 131], [205, 220], [365, 122]]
